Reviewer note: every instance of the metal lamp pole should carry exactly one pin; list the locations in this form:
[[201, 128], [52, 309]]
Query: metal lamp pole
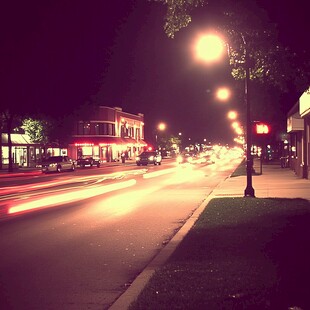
[[249, 190]]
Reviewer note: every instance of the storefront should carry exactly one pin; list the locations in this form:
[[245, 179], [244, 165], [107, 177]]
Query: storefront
[[108, 149], [24, 152], [304, 111], [298, 126], [108, 133]]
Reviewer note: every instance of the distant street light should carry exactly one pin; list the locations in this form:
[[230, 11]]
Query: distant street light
[[207, 52], [232, 115], [223, 94], [160, 127], [235, 125]]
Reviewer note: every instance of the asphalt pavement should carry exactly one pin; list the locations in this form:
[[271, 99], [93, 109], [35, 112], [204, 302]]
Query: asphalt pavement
[[272, 181], [28, 171]]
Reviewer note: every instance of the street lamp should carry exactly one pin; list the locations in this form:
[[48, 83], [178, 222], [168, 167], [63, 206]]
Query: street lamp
[[203, 48], [208, 47], [223, 94], [232, 115], [160, 127]]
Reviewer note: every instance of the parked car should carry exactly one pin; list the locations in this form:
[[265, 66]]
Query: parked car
[[58, 164], [149, 157], [90, 161]]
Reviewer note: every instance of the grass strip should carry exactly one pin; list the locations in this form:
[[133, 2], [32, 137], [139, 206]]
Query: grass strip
[[242, 253]]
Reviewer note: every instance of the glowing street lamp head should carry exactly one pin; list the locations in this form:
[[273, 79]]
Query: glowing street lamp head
[[162, 126], [223, 94], [232, 115], [209, 48], [235, 125]]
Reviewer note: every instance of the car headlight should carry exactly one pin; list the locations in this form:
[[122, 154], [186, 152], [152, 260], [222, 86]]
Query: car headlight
[[151, 158], [137, 158], [179, 159]]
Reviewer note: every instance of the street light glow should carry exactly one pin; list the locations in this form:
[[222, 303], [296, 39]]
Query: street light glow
[[162, 126], [235, 125], [209, 48], [223, 94], [232, 115]]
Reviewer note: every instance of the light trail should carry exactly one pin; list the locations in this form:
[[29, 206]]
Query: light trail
[[72, 196], [158, 173], [95, 178]]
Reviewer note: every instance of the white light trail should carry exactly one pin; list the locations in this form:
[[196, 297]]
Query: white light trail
[[72, 196]]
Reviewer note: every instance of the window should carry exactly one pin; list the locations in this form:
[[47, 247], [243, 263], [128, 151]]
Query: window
[[123, 131], [87, 128], [80, 129], [130, 132], [111, 129], [97, 129]]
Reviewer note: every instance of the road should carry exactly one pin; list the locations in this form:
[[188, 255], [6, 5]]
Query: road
[[84, 253]]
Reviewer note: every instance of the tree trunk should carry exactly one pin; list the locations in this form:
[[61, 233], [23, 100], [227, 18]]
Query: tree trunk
[[9, 128]]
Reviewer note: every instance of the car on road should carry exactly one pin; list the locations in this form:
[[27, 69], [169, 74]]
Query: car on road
[[90, 161], [194, 158], [184, 158], [149, 157], [58, 164]]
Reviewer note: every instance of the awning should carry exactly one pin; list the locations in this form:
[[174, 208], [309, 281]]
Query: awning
[[84, 141], [134, 142], [17, 139]]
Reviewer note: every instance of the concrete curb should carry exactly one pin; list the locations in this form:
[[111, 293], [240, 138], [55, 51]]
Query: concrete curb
[[131, 294]]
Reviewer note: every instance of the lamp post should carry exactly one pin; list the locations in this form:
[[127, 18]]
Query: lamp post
[[205, 51], [249, 190], [160, 127]]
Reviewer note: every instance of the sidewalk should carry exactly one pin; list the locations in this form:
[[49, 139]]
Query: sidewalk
[[245, 245], [273, 182]]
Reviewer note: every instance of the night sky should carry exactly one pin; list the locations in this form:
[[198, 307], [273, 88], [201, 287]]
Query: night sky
[[57, 55]]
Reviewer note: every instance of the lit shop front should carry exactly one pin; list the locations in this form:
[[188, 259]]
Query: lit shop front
[[108, 149], [25, 153]]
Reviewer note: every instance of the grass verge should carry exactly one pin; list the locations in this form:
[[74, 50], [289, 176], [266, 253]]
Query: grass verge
[[242, 253]]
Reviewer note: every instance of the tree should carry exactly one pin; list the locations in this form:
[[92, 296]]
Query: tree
[[37, 130], [178, 14], [243, 23], [169, 143]]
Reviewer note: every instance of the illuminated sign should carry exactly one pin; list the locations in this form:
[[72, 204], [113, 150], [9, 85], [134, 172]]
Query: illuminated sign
[[304, 103], [262, 129], [84, 144]]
